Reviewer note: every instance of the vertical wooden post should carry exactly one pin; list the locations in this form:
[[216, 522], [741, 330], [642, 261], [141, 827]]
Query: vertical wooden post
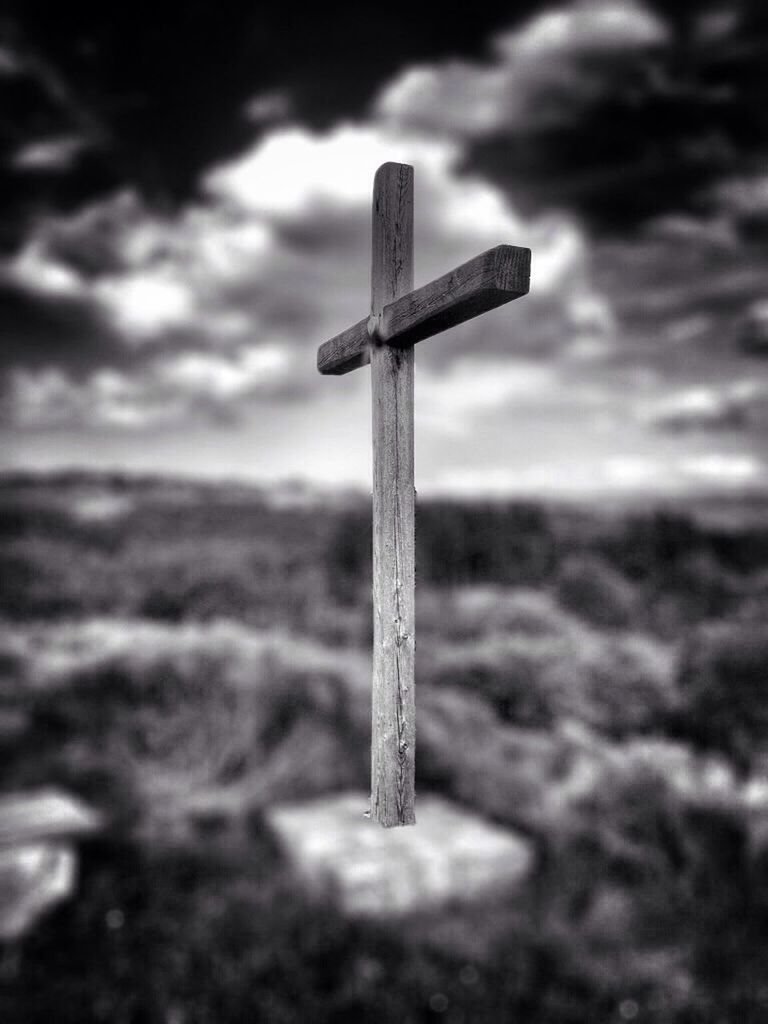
[[394, 718]]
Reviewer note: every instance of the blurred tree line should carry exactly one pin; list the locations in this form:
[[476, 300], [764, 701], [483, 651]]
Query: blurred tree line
[[660, 568]]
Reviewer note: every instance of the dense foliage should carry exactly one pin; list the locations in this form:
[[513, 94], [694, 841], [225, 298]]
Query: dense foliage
[[184, 656]]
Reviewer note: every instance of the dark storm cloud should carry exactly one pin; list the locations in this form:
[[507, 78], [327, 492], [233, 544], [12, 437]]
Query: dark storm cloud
[[631, 133], [38, 332], [164, 98], [656, 281], [689, 297], [616, 127], [647, 122], [753, 332], [99, 103], [190, 209]]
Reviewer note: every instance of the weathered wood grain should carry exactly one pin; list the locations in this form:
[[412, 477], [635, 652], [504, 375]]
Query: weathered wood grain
[[393, 704], [399, 318], [347, 351], [481, 284]]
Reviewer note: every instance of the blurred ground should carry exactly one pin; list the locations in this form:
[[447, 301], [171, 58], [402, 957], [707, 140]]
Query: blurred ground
[[192, 662]]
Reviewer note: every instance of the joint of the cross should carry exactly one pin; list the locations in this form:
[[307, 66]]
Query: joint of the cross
[[374, 329]]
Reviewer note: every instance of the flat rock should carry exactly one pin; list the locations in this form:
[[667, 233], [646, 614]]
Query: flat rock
[[33, 878], [450, 854], [38, 859], [29, 817]]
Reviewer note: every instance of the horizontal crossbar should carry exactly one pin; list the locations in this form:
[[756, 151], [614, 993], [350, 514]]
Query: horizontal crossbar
[[483, 283]]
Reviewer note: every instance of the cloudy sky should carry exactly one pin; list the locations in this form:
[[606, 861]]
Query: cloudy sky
[[186, 217]]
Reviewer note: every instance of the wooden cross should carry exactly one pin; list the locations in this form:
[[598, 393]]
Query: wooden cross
[[399, 318]]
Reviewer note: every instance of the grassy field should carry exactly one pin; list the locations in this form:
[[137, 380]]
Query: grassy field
[[185, 656]]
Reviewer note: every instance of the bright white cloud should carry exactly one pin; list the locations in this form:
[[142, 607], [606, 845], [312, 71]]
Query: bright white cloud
[[619, 475], [277, 256], [212, 374], [472, 387], [725, 468], [145, 304], [549, 477], [590, 25], [49, 399], [291, 169], [226, 302], [171, 388], [630, 472], [35, 269], [535, 76], [733, 406]]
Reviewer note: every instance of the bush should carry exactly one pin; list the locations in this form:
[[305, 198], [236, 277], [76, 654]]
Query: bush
[[618, 684], [510, 673], [474, 611], [589, 587], [723, 680], [615, 683], [176, 710]]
